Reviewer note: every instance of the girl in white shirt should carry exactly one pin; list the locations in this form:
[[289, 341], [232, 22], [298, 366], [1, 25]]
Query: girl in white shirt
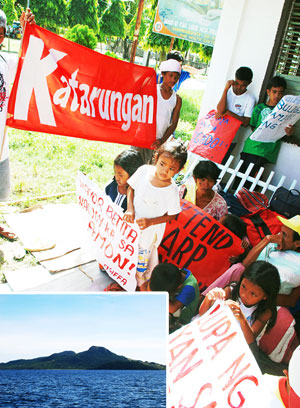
[[153, 199]]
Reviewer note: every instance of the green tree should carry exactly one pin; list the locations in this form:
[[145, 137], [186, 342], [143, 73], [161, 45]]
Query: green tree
[[83, 35], [10, 11], [131, 10], [102, 6], [50, 14], [155, 41], [84, 12], [112, 23], [204, 52]]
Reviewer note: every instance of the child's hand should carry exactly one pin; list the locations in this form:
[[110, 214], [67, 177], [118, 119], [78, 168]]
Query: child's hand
[[218, 115], [289, 130], [235, 308], [129, 216], [143, 223], [216, 293], [229, 84], [156, 144]]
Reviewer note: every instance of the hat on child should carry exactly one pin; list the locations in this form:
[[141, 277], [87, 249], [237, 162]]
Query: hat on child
[[170, 65], [3, 21], [293, 223], [291, 398]]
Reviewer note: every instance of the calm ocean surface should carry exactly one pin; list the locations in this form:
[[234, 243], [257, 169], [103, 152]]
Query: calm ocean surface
[[82, 388]]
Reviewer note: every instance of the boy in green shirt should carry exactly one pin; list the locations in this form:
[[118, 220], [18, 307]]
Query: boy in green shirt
[[258, 152]]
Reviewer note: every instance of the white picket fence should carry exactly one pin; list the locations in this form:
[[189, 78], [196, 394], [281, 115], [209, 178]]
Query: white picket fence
[[264, 185]]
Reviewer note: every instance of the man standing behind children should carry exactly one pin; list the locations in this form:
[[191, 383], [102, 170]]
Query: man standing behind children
[[258, 152], [237, 101]]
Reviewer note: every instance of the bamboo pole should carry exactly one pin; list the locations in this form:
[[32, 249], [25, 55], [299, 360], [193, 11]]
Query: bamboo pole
[[136, 31]]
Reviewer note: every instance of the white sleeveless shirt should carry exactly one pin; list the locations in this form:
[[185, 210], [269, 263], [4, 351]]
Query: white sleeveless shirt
[[165, 108]]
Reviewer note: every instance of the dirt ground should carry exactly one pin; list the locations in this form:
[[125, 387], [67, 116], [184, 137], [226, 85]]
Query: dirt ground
[[12, 253]]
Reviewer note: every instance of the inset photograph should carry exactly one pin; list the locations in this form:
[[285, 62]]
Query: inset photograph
[[83, 350]]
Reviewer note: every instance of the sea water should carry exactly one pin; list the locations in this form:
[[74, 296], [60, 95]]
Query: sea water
[[82, 388]]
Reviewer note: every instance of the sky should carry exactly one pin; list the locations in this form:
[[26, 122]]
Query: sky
[[132, 325]]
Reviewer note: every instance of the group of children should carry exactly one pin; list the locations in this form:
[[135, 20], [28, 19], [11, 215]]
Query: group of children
[[238, 102], [148, 194]]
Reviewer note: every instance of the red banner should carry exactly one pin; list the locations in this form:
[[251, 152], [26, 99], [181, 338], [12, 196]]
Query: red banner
[[198, 242], [66, 89], [212, 137]]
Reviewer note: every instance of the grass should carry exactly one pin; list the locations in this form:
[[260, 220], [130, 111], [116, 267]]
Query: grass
[[43, 165]]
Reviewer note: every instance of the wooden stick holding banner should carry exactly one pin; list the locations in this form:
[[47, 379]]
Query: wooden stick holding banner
[[210, 364], [112, 240], [286, 112]]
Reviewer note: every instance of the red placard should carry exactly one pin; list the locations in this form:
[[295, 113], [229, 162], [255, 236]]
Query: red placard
[[212, 137], [196, 241], [67, 89]]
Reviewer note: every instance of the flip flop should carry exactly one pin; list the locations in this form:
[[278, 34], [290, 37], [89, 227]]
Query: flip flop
[[7, 234]]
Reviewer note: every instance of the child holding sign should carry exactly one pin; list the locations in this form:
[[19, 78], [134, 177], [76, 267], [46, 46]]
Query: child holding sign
[[153, 200], [168, 107], [252, 300], [258, 152]]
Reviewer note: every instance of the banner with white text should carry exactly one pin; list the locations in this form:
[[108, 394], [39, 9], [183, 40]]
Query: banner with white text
[[196, 241], [211, 366], [114, 242], [66, 89], [272, 128]]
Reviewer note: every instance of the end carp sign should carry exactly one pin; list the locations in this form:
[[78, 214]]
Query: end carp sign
[[196, 241], [64, 88]]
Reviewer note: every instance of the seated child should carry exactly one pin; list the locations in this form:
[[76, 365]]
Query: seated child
[[153, 200], [201, 192], [183, 291], [258, 152], [253, 303], [125, 164], [239, 228]]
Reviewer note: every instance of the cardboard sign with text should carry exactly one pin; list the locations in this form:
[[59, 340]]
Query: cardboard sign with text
[[286, 112], [212, 137], [113, 241], [66, 89], [196, 241], [210, 364]]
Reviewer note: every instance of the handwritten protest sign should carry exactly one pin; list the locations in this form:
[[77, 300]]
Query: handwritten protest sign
[[212, 137], [198, 242], [286, 112], [211, 366], [64, 88], [113, 241]]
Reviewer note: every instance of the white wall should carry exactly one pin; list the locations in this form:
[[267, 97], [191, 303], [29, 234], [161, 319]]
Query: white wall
[[245, 37]]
